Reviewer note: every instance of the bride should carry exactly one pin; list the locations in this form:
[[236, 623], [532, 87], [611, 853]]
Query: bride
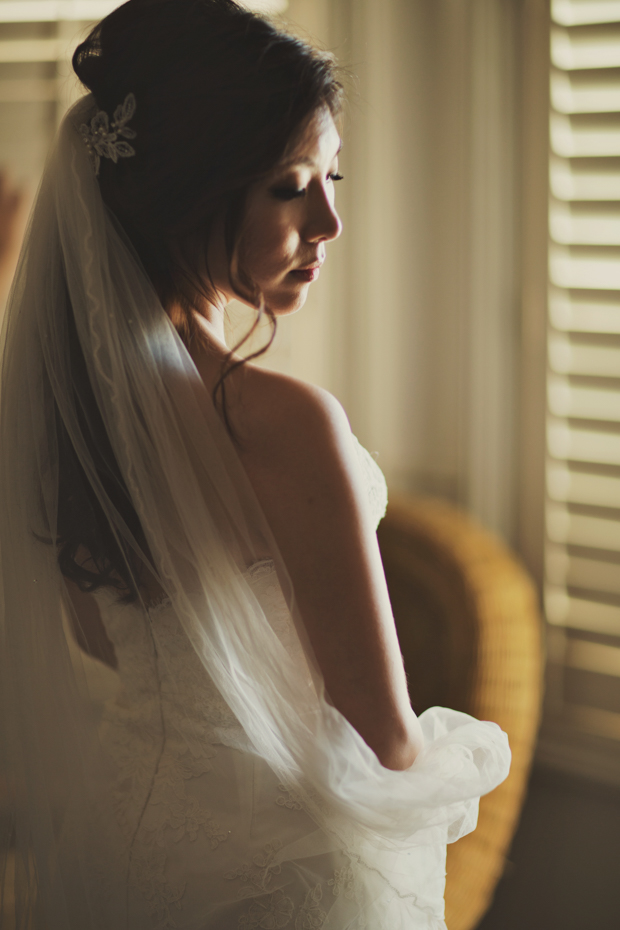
[[204, 527]]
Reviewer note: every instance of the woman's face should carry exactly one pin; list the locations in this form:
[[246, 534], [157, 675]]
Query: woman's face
[[289, 218]]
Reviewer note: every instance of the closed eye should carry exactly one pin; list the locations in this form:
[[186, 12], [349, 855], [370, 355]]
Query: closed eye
[[287, 193], [290, 193]]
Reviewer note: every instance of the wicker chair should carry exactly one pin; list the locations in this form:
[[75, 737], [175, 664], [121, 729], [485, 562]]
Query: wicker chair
[[470, 632]]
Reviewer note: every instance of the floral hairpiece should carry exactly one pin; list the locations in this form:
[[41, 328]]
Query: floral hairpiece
[[101, 138]]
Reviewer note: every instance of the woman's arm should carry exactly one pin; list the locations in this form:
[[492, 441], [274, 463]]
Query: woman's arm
[[299, 453]]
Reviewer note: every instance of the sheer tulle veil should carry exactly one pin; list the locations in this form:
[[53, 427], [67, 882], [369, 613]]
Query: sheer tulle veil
[[203, 527]]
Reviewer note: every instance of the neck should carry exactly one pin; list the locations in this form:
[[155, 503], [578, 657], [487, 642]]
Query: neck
[[210, 320], [211, 323]]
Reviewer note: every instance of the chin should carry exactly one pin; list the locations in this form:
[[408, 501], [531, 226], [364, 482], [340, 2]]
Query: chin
[[286, 304]]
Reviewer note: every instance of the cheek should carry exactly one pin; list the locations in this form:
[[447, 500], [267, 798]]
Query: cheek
[[270, 247]]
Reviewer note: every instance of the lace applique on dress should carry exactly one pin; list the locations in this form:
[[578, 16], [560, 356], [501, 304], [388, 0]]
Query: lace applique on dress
[[311, 916], [343, 883], [272, 913], [257, 875], [277, 909], [149, 858], [273, 908], [287, 799]]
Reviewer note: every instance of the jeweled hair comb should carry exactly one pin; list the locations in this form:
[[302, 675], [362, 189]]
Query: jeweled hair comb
[[102, 137]]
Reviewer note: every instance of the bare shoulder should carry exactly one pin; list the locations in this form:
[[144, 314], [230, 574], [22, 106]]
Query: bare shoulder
[[279, 413], [297, 448]]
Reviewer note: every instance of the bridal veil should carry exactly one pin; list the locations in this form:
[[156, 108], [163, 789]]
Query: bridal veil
[[78, 275]]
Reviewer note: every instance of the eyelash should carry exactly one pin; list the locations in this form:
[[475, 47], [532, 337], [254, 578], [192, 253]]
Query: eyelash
[[290, 193]]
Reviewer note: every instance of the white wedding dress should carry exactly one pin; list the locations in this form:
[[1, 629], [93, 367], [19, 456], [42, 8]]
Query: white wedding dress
[[216, 842], [163, 811]]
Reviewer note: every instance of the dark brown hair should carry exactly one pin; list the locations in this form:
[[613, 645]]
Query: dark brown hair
[[220, 95]]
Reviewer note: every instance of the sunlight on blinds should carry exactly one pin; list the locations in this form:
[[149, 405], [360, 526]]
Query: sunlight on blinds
[[13, 50], [578, 12], [592, 575], [572, 268], [584, 94], [594, 720], [46, 11], [593, 226], [574, 182], [582, 402], [36, 45], [563, 526], [572, 358], [592, 657], [577, 487], [581, 315], [582, 597], [580, 614], [580, 445], [591, 139], [52, 11]]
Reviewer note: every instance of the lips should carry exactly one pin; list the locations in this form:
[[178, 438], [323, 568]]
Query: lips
[[309, 273]]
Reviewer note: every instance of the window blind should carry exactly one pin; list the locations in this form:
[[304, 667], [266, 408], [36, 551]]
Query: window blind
[[582, 596], [37, 84], [37, 40]]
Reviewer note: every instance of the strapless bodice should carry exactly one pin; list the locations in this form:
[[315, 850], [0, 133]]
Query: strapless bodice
[[161, 675], [156, 659], [165, 704]]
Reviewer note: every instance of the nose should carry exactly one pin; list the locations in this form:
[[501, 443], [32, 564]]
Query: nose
[[323, 223]]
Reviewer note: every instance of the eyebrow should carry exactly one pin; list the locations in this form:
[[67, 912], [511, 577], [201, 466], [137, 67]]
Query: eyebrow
[[303, 161]]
